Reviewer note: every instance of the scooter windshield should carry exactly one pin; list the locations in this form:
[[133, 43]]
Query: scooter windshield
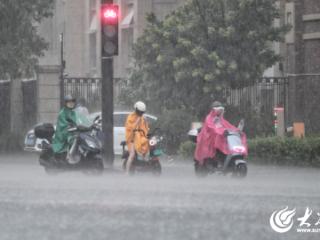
[[234, 140], [82, 117]]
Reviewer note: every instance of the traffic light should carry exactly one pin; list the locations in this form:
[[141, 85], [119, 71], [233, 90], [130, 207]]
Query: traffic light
[[109, 30]]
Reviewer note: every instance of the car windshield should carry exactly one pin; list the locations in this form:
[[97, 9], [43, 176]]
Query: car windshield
[[119, 120]]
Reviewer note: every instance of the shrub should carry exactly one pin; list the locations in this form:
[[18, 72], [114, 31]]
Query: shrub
[[174, 125], [186, 149], [285, 151]]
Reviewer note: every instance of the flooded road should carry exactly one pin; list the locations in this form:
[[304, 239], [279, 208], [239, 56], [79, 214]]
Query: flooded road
[[177, 205]]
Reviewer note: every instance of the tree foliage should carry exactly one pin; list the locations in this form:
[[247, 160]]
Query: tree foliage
[[20, 44], [188, 59]]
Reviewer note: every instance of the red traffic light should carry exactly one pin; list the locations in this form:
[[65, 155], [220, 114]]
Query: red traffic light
[[110, 13]]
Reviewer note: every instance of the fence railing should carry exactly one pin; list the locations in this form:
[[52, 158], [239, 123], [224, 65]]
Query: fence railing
[[88, 89], [255, 103]]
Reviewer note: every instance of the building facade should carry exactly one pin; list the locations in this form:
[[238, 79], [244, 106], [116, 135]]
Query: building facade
[[301, 60], [301, 50], [78, 22]]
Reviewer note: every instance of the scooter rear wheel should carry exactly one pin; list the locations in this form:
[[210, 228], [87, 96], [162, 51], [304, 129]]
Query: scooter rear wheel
[[96, 168], [200, 170]]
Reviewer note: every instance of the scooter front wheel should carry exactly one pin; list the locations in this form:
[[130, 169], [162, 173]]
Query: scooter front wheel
[[156, 168], [240, 170], [51, 171]]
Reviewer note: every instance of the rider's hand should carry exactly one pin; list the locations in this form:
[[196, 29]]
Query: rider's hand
[[225, 133]]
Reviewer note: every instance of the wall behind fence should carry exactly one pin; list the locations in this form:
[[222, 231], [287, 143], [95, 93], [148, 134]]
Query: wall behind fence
[[29, 99], [4, 106], [305, 101]]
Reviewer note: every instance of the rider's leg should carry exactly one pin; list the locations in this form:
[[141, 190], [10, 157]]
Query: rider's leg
[[130, 158]]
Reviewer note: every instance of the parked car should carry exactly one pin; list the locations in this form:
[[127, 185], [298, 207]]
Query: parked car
[[33, 144]]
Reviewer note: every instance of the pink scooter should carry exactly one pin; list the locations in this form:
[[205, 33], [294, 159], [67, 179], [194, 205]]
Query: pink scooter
[[234, 162]]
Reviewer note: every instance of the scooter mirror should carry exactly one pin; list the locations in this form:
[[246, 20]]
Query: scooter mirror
[[96, 118], [241, 125], [193, 134]]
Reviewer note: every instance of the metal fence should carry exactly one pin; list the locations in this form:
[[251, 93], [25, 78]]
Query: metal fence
[[4, 106], [255, 103], [87, 89]]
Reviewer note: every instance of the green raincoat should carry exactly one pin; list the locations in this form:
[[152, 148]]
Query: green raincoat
[[62, 138]]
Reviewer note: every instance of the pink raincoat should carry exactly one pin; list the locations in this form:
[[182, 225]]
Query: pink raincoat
[[212, 138]]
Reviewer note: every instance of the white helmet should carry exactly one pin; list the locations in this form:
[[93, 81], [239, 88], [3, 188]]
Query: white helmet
[[140, 106]]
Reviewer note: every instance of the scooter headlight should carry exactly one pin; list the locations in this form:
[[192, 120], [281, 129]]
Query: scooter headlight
[[91, 144], [153, 141], [239, 149]]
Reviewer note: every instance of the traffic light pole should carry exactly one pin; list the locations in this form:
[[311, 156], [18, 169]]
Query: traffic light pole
[[107, 109], [62, 66], [107, 106]]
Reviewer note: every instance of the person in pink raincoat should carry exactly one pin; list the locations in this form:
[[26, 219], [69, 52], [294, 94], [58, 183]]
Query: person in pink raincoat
[[212, 135]]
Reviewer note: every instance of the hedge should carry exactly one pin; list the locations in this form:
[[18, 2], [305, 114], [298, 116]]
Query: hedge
[[285, 151], [275, 151]]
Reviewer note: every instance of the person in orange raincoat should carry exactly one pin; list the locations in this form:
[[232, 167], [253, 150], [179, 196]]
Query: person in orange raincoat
[[137, 130]]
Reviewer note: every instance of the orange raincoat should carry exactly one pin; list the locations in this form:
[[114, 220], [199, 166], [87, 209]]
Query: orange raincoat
[[138, 138]]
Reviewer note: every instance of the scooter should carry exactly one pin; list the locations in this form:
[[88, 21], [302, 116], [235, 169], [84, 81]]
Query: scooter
[[84, 153], [234, 162], [151, 163]]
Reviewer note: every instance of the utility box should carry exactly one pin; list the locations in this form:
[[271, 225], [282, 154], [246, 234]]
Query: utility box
[[298, 129], [279, 127]]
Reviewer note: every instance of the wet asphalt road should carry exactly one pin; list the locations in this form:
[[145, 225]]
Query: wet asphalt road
[[175, 206]]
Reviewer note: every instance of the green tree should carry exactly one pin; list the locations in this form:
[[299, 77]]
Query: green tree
[[187, 60], [20, 44]]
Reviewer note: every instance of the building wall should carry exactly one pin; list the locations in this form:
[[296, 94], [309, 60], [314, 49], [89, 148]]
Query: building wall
[[69, 19], [130, 34], [301, 50], [78, 20]]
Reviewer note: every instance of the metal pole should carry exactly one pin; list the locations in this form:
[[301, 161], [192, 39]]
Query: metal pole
[[62, 66], [107, 109], [107, 106]]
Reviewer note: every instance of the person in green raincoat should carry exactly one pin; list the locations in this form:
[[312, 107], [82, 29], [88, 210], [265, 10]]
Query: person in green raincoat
[[62, 138]]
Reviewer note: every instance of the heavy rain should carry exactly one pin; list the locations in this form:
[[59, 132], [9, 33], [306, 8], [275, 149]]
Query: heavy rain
[[159, 119]]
